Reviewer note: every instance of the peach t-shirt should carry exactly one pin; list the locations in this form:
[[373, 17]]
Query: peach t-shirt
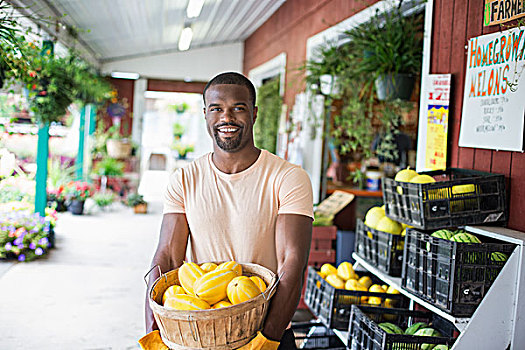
[[233, 216]]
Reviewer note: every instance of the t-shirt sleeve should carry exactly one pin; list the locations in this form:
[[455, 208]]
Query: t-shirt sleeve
[[295, 193], [174, 195]]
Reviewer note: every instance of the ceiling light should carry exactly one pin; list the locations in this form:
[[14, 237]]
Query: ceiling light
[[125, 75], [194, 8], [185, 39]]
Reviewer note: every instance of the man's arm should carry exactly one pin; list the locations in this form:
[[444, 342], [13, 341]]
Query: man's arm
[[169, 254], [293, 237]]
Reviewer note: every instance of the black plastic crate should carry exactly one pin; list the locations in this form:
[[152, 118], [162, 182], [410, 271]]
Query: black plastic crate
[[312, 335], [453, 276], [459, 197], [383, 250], [332, 305], [365, 334]]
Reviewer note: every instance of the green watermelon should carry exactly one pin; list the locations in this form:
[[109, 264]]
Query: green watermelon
[[498, 257], [443, 234], [465, 238], [441, 347], [415, 327], [390, 328], [428, 332]]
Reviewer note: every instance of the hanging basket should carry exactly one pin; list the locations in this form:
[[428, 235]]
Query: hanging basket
[[215, 329], [394, 86], [118, 149]]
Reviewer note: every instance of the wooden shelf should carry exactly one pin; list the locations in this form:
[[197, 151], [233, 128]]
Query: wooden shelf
[[353, 190]]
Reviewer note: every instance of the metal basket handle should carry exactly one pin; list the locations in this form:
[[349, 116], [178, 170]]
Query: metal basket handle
[[267, 293], [195, 334], [160, 274]]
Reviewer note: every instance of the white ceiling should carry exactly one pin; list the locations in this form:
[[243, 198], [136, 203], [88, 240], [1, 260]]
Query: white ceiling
[[114, 30]]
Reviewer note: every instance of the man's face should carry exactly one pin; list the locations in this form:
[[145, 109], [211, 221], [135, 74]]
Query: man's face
[[230, 116]]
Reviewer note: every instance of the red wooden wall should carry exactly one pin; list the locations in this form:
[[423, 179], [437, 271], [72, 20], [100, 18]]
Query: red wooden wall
[[455, 21]]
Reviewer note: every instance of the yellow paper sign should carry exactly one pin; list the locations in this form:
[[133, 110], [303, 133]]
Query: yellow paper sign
[[437, 137]]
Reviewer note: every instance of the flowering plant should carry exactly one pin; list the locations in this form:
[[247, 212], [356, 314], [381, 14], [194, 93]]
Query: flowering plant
[[57, 194], [78, 190], [24, 235]]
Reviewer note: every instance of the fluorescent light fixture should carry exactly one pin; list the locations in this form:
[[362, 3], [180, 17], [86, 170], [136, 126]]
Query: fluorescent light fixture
[[194, 8], [125, 75], [185, 39]]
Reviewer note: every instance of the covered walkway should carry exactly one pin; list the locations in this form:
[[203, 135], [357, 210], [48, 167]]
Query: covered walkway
[[88, 292]]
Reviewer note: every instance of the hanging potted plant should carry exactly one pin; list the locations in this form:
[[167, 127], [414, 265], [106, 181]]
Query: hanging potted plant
[[183, 149], [117, 146], [388, 50], [178, 131]]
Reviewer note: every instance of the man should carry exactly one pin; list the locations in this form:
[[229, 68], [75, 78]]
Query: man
[[240, 203]]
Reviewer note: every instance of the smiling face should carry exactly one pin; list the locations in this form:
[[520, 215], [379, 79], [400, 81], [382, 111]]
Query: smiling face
[[230, 115]]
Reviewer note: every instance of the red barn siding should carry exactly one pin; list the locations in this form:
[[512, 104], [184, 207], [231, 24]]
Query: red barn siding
[[455, 21]]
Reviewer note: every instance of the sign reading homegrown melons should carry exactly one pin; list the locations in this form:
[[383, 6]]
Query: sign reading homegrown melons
[[493, 107]]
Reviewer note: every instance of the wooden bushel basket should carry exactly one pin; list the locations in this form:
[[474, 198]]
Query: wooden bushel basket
[[225, 328]]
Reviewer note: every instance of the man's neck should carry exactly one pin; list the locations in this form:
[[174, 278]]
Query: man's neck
[[233, 163]]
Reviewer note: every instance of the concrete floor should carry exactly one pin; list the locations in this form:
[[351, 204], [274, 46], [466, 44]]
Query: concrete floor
[[88, 292]]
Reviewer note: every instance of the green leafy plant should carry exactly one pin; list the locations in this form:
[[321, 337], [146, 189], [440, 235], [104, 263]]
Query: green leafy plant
[[134, 199], [178, 130], [389, 42], [103, 199], [59, 175], [180, 108], [78, 190], [109, 167], [182, 148], [266, 126]]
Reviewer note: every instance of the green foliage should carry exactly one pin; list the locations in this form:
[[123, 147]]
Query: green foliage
[[134, 199], [182, 148], [388, 43], [57, 175], [266, 126], [103, 199], [109, 167], [180, 108], [178, 130]]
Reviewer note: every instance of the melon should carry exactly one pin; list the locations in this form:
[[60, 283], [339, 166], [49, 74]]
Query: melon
[[241, 289], [465, 238], [345, 270], [389, 226], [188, 273], [186, 302], [390, 328], [171, 291], [231, 265], [335, 281], [220, 304], [259, 282], [404, 175], [211, 287], [415, 327], [209, 266]]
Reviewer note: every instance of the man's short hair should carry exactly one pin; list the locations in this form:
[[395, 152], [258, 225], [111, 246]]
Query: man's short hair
[[231, 78]]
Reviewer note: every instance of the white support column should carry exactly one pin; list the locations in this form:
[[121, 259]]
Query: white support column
[[139, 105]]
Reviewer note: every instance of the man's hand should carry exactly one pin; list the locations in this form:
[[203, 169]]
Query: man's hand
[[260, 342]]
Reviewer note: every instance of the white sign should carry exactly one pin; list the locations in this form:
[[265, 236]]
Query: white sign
[[494, 96]]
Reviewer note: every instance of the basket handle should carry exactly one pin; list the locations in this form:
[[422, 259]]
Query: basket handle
[[160, 274], [192, 325], [267, 294]]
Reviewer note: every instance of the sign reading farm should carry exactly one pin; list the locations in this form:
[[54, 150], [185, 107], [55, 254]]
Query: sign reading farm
[[494, 96], [501, 11]]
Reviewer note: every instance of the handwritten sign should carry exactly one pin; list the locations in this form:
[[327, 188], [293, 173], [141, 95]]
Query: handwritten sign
[[438, 97], [334, 204], [493, 100], [501, 11]]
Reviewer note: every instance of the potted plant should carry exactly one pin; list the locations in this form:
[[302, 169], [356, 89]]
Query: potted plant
[[178, 131], [77, 192], [183, 149], [118, 146], [137, 202], [180, 108], [388, 50], [104, 199]]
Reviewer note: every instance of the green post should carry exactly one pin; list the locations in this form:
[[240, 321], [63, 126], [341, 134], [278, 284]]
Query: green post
[[80, 154], [41, 169], [92, 119], [48, 48]]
